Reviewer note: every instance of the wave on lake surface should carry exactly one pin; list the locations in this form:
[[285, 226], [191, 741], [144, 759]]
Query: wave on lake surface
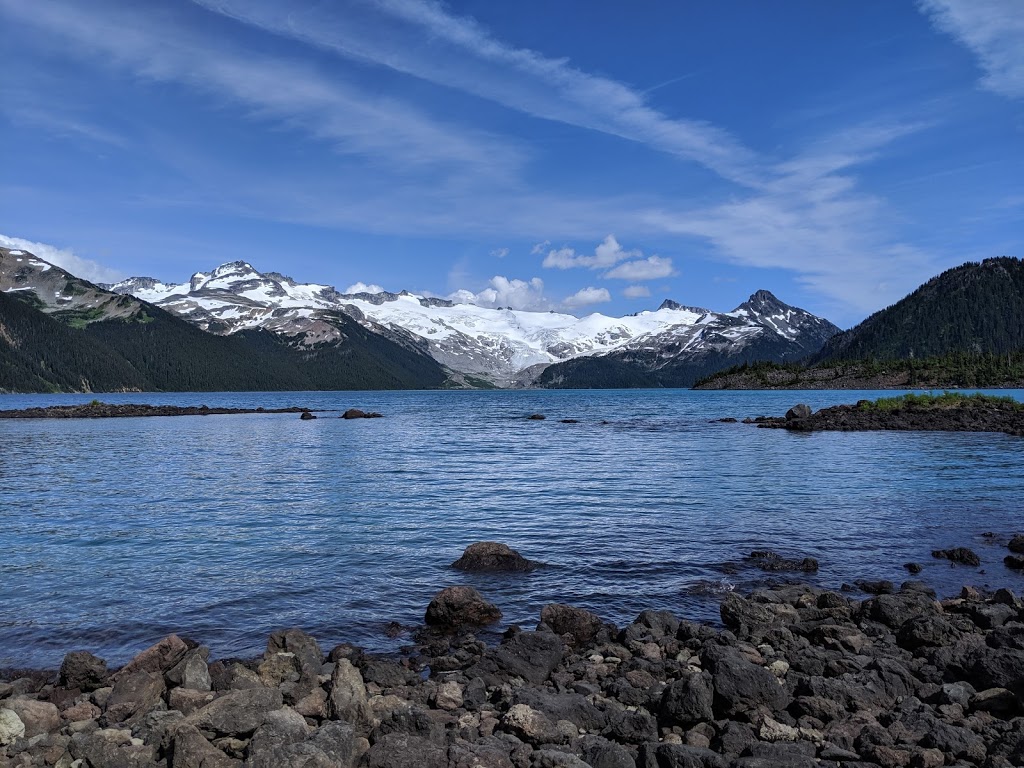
[[225, 528]]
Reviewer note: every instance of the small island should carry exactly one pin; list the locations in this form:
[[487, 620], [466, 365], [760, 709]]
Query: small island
[[948, 412], [98, 410]]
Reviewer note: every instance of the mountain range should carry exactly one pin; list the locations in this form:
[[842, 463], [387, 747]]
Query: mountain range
[[237, 328], [269, 316]]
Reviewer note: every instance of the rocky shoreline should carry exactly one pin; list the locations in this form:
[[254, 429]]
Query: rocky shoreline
[[796, 676], [97, 410], [968, 415]]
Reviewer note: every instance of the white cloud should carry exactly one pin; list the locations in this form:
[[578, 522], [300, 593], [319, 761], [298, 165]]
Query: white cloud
[[538, 248], [651, 268], [362, 287], [636, 292], [586, 297], [503, 292], [462, 54], [607, 253], [157, 47], [64, 258], [993, 30], [500, 253]]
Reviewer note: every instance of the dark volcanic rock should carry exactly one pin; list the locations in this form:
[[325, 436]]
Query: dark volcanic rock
[[487, 556], [581, 624], [961, 555], [1017, 544], [306, 416], [536, 417], [532, 656], [131, 410], [740, 685], [767, 560], [82, 670], [461, 606]]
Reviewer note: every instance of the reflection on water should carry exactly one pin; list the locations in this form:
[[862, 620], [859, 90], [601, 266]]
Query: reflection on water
[[115, 532]]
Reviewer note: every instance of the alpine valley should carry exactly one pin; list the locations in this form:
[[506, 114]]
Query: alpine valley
[[266, 331]]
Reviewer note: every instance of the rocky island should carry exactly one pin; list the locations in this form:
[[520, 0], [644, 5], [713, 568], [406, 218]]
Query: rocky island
[[98, 410], [795, 676], [949, 412]]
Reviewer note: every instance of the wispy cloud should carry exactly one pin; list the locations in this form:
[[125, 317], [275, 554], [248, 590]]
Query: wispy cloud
[[62, 125], [290, 93], [65, 258], [423, 39], [993, 30], [651, 268], [500, 253], [586, 297]]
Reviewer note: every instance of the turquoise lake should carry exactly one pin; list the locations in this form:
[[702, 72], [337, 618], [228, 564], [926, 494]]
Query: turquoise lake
[[116, 532]]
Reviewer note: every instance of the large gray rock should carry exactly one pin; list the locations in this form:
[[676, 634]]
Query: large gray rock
[[492, 556], [800, 411], [191, 672], [461, 606], [689, 700], [191, 750], [159, 657], [134, 695], [532, 656], [347, 698], [82, 670], [740, 685], [38, 717], [112, 748], [303, 646], [580, 623], [237, 713], [11, 727]]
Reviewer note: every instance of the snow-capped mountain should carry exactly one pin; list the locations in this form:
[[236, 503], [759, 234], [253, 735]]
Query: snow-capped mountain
[[504, 346]]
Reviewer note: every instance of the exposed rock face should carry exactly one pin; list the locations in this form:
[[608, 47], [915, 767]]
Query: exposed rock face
[[486, 556], [802, 677], [461, 606]]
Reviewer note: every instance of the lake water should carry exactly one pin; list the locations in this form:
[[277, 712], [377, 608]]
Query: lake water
[[115, 532]]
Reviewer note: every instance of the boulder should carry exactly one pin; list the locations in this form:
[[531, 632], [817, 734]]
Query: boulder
[[959, 555], [190, 749], [491, 556], [306, 416], [740, 685], [580, 623], [303, 646], [191, 672], [1014, 563], [11, 727], [134, 695], [347, 698], [157, 658], [801, 411], [536, 417], [82, 670], [667, 755], [532, 656], [688, 700], [237, 713], [531, 726], [1017, 544], [37, 717], [767, 560], [454, 607], [355, 413]]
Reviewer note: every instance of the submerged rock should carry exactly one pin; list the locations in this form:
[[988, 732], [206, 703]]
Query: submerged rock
[[487, 556], [455, 607], [767, 560], [355, 413], [306, 416], [961, 555], [536, 417]]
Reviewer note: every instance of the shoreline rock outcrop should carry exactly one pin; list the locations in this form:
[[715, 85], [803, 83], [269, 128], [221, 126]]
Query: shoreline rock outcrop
[[797, 676], [492, 557]]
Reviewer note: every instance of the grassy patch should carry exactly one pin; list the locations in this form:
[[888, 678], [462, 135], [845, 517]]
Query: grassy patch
[[930, 400]]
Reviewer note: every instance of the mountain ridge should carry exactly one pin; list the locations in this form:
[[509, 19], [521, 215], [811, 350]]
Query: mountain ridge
[[507, 347]]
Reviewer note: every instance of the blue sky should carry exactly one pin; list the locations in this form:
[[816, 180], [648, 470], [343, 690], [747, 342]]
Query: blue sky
[[593, 156]]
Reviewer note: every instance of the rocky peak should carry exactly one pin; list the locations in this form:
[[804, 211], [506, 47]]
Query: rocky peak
[[675, 305], [763, 303]]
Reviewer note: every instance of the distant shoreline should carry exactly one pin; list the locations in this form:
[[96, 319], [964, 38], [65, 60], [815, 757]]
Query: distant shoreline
[[98, 410]]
